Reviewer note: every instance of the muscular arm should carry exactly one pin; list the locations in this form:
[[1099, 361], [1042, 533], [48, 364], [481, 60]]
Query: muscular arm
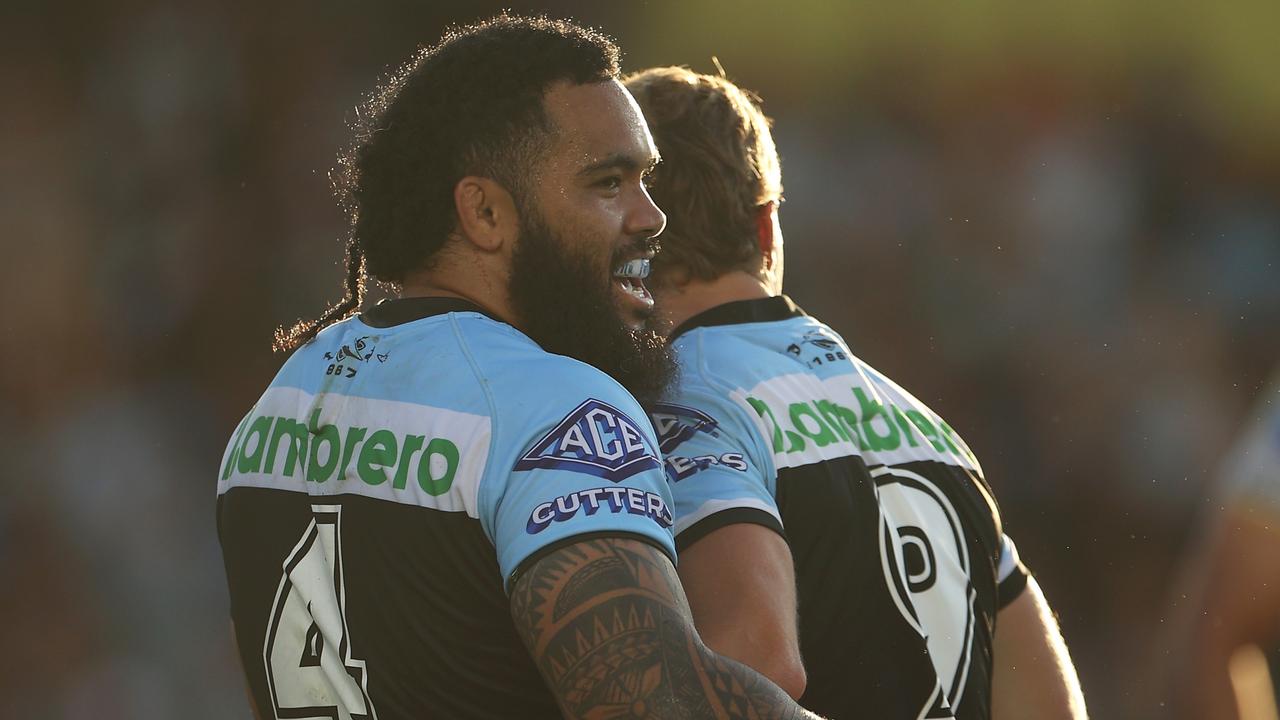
[[1033, 676], [607, 624], [741, 585]]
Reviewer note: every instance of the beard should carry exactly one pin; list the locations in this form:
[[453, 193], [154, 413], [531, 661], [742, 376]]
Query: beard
[[566, 306]]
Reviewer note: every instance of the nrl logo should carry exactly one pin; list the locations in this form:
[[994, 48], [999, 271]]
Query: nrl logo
[[597, 439], [677, 423]]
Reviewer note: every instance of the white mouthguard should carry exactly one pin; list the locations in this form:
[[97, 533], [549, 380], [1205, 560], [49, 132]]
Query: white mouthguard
[[638, 268]]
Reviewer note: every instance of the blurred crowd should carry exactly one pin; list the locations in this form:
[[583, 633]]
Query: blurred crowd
[[1079, 269]]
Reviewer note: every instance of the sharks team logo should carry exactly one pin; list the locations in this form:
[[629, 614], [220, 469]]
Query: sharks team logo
[[346, 362], [597, 439], [677, 423], [824, 349]]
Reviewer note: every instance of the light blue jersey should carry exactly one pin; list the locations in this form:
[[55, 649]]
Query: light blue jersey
[[390, 483], [901, 563]]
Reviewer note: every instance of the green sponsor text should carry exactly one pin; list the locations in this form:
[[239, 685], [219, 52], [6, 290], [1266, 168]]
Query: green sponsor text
[[873, 425], [285, 446]]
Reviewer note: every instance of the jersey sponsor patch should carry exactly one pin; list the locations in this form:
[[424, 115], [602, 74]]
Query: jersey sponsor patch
[[677, 423], [313, 449], [679, 467], [336, 444], [589, 502], [597, 439], [807, 420]]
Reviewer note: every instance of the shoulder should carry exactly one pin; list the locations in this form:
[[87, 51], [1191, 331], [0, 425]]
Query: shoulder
[[737, 366], [552, 412], [734, 357], [721, 370], [532, 384], [300, 367]]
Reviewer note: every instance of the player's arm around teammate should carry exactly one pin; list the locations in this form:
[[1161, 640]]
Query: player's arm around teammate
[[603, 615], [563, 600], [497, 185], [569, 603], [740, 580]]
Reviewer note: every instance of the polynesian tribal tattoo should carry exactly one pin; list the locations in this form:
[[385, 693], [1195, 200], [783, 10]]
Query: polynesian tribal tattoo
[[608, 625]]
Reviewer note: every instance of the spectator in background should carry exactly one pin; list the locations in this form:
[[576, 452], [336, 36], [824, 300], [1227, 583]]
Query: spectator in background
[[1232, 613]]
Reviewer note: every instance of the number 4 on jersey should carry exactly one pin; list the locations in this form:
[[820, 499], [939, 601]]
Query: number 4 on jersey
[[310, 669]]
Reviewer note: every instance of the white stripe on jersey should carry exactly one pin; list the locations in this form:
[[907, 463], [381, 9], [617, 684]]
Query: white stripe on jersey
[[330, 444], [808, 420]]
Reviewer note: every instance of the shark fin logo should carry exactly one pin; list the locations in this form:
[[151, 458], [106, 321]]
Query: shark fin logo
[[597, 439], [677, 423]]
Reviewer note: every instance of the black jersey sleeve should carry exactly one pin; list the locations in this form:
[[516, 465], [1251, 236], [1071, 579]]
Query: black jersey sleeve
[[1011, 574]]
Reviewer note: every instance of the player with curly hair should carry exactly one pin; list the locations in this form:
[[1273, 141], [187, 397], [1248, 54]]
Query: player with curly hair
[[445, 506]]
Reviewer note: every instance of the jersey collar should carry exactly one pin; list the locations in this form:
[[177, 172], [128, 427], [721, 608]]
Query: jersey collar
[[399, 311], [770, 309]]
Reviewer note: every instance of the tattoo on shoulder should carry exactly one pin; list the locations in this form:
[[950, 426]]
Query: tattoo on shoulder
[[608, 625]]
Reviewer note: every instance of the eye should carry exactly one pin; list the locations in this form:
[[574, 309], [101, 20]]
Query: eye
[[649, 179], [611, 183]]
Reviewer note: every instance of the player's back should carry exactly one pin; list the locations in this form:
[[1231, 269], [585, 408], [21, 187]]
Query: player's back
[[357, 510], [892, 529]]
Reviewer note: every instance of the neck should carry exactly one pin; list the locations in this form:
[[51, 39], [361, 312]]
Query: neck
[[444, 284], [679, 303]]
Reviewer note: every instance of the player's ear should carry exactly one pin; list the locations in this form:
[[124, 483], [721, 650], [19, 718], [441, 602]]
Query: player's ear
[[766, 231], [486, 213]]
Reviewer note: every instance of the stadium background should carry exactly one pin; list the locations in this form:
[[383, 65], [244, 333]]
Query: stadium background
[[1059, 228]]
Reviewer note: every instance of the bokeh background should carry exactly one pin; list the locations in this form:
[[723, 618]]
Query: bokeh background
[[1058, 226]]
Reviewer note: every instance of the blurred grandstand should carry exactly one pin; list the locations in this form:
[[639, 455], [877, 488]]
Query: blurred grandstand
[[1061, 230]]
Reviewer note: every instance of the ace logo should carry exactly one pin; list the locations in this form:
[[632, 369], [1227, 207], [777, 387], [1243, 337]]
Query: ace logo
[[677, 423], [597, 439]]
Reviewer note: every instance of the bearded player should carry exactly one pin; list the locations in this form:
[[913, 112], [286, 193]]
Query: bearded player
[[435, 510], [804, 478]]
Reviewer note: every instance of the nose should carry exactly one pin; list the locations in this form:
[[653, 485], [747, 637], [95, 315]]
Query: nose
[[646, 219]]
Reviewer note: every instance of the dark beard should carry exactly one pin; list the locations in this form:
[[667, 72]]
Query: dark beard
[[566, 307]]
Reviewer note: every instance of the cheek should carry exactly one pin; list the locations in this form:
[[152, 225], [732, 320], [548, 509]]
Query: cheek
[[595, 225]]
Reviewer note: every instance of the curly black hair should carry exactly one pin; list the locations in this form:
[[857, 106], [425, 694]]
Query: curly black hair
[[470, 105]]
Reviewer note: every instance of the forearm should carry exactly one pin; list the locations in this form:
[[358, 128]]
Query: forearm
[[759, 652], [1033, 675], [740, 584], [610, 630]]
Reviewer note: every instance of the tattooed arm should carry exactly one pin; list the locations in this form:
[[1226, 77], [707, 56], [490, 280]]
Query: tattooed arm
[[609, 627]]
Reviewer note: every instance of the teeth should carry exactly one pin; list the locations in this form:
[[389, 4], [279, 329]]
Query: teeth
[[638, 268], [636, 291]]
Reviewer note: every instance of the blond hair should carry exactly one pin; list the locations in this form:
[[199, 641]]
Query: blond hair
[[719, 166]]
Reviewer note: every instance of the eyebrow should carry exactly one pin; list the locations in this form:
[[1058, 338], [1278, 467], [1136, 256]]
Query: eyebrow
[[620, 161]]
